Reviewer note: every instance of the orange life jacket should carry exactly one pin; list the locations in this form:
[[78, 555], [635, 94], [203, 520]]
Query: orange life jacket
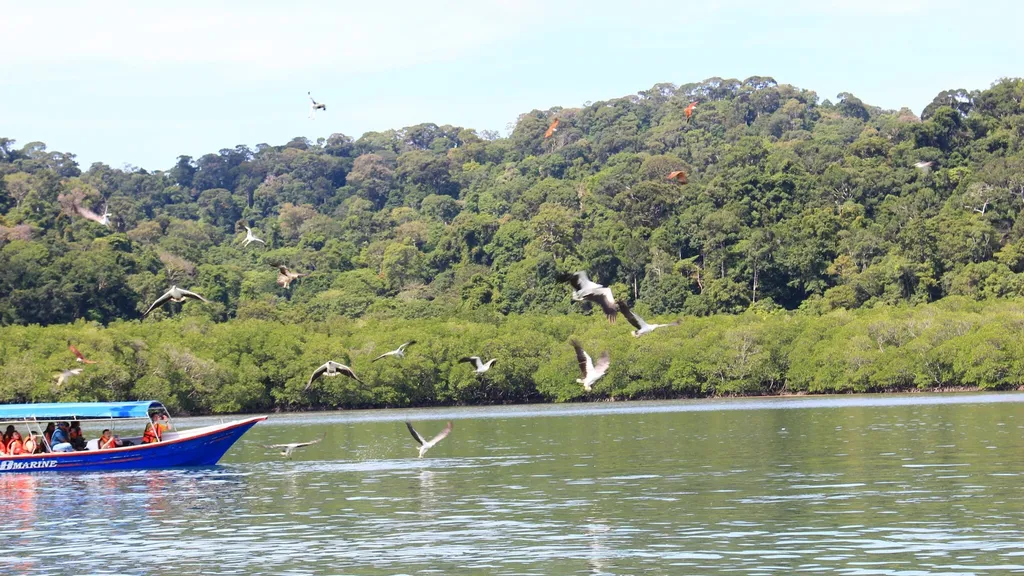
[[15, 448], [150, 435], [30, 446], [112, 443]]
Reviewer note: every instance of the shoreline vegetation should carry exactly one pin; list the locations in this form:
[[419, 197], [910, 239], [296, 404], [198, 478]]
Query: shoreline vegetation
[[807, 245], [197, 366]]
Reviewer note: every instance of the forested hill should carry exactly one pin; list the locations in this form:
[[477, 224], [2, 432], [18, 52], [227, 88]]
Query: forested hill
[[791, 203]]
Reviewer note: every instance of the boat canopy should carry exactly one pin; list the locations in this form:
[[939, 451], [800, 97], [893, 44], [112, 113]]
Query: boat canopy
[[78, 410]]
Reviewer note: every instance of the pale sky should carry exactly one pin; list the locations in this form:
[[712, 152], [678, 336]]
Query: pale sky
[[140, 83]]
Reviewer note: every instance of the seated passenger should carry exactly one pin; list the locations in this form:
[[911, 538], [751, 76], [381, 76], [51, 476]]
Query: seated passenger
[[3, 449], [75, 437], [151, 434], [47, 434], [31, 444], [60, 441], [108, 440], [7, 434], [16, 448]]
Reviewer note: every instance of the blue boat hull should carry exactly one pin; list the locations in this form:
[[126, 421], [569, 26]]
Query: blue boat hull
[[203, 449]]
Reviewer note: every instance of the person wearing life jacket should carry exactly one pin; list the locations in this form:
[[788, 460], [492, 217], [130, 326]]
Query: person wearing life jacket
[[15, 447], [31, 446], [108, 440], [3, 449], [152, 433]]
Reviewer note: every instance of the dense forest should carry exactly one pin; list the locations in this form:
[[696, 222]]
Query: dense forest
[[815, 246]]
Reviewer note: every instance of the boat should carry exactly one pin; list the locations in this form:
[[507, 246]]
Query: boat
[[194, 447]]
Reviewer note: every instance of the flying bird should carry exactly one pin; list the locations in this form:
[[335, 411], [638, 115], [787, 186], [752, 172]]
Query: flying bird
[[924, 166], [585, 289], [250, 238], [289, 448], [331, 369], [678, 176], [591, 372], [481, 366], [427, 445], [315, 106], [552, 129], [638, 322], [62, 377], [285, 277], [689, 111], [175, 294], [78, 355], [90, 215], [399, 353]]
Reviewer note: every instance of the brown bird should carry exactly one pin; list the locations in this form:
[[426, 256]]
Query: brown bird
[[285, 277], [551, 129], [678, 176], [78, 355], [689, 111]]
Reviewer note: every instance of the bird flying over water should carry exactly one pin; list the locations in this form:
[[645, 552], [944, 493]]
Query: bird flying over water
[[678, 176], [285, 277], [78, 355], [250, 238], [592, 372], [315, 106], [425, 444], [689, 111], [585, 289], [552, 129], [175, 294], [289, 448], [62, 377], [399, 353], [638, 322], [331, 369], [481, 366]]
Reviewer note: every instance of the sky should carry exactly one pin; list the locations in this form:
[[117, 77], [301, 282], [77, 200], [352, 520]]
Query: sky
[[137, 84]]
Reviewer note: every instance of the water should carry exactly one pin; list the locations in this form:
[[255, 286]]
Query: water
[[906, 485]]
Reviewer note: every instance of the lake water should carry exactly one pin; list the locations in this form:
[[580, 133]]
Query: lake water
[[906, 485]]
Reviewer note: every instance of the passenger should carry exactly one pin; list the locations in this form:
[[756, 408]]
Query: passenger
[[16, 447], [108, 440], [60, 440], [8, 433], [78, 441], [151, 434], [31, 444], [3, 449], [47, 434]]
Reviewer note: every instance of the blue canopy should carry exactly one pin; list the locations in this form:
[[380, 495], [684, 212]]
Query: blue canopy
[[77, 410]]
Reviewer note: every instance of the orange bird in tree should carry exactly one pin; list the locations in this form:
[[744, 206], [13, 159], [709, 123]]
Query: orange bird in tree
[[551, 129], [78, 355], [689, 111], [678, 176]]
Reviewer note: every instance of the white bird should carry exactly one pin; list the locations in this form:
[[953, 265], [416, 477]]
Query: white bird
[[399, 353], [481, 366], [315, 106], [924, 166], [250, 238], [90, 215], [62, 378], [175, 294], [427, 445], [638, 322], [285, 277], [585, 289], [591, 372], [332, 369], [289, 448]]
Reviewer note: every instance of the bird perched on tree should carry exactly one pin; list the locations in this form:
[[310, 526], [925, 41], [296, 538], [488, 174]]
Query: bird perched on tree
[[175, 294]]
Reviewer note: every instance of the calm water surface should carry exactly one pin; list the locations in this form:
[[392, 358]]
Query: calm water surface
[[907, 485]]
